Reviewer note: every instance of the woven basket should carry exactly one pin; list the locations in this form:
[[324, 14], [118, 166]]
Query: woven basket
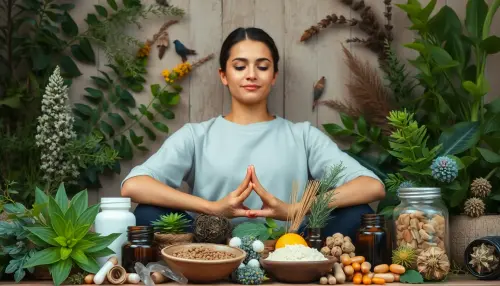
[[166, 239]]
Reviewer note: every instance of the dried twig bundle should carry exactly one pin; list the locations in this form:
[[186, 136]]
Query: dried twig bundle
[[296, 216]]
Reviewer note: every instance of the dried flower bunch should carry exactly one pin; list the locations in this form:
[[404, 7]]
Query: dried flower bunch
[[369, 24], [183, 69]]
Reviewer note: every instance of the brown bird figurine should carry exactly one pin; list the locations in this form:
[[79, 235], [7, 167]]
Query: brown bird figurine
[[318, 89], [162, 44]]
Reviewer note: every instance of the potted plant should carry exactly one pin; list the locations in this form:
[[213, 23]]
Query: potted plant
[[172, 229], [62, 236]]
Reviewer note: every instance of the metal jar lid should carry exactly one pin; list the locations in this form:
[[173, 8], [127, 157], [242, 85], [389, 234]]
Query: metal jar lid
[[419, 193]]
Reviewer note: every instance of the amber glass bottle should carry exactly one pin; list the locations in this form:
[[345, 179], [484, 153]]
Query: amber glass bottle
[[373, 240], [140, 247]]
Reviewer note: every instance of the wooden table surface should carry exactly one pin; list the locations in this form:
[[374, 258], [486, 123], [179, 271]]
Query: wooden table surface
[[459, 280]]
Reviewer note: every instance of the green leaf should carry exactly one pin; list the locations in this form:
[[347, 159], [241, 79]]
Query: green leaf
[[92, 19], [94, 95], [62, 198], [271, 223], [81, 231], [489, 156], [491, 45], [347, 121], [411, 276], [80, 202], [116, 119], [79, 256], [65, 253], [84, 244], [445, 24], [362, 129], [102, 242], [44, 257], [459, 138], [58, 224], [125, 151], [476, 11], [39, 58], [60, 271], [458, 196], [46, 234], [160, 126], [101, 10], [39, 242], [87, 50], [442, 58], [103, 252], [100, 82], [387, 211], [61, 240], [136, 140], [106, 128], [151, 135], [88, 216], [495, 197], [336, 130], [68, 25], [112, 4], [12, 102], [256, 229], [154, 89], [69, 67], [415, 46], [467, 160], [91, 266], [127, 98]]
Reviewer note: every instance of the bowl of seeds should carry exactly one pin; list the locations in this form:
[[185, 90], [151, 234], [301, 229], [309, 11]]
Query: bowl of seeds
[[203, 262]]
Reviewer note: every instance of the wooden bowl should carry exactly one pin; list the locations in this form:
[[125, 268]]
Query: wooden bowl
[[203, 271], [297, 271]]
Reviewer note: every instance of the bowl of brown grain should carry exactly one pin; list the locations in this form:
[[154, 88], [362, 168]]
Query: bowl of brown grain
[[203, 262]]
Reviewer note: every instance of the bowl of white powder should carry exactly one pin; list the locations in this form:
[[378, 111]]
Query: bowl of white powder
[[297, 264]]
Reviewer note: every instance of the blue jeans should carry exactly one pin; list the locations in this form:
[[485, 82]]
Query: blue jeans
[[344, 220]]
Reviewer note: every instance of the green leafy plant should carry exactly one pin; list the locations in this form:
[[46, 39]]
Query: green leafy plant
[[268, 230], [172, 223], [62, 231], [320, 209], [446, 96], [14, 244]]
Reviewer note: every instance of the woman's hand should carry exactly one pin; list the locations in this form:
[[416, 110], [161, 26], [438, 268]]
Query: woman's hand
[[232, 205], [272, 207]]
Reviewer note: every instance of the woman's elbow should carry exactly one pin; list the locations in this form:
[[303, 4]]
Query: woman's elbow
[[128, 188], [378, 190]]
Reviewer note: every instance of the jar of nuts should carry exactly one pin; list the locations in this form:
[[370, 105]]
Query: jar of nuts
[[421, 219]]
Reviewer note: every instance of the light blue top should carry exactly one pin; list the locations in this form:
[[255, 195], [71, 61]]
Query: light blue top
[[212, 157]]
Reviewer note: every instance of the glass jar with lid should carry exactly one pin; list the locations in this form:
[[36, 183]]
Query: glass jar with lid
[[421, 219]]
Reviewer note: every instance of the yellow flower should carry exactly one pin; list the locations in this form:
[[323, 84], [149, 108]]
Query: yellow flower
[[144, 51]]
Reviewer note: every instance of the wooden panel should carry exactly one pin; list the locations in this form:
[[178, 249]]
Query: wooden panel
[[493, 62], [269, 16], [331, 63], [301, 65], [206, 35], [235, 14]]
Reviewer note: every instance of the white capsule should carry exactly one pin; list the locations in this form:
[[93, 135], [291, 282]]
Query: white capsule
[[258, 246]]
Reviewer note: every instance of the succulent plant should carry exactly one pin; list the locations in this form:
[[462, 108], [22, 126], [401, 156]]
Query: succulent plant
[[483, 258], [174, 223], [444, 169], [474, 207], [404, 255], [433, 263], [480, 187]]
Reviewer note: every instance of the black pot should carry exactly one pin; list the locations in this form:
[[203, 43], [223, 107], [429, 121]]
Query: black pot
[[488, 240]]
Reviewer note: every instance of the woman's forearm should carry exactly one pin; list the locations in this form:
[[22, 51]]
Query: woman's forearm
[[362, 190], [147, 190]]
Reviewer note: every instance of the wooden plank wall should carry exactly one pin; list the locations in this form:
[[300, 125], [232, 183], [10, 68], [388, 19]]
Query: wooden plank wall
[[208, 22]]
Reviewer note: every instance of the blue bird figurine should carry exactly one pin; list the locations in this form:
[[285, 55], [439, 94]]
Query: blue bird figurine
[[182, 51]]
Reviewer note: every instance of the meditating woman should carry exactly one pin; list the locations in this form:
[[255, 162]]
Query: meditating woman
[[242, 165]]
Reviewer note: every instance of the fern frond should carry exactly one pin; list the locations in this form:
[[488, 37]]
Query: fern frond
[[393, 182], [398, 78]]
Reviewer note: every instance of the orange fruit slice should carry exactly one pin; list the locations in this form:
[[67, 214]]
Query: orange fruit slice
[[290, 239]]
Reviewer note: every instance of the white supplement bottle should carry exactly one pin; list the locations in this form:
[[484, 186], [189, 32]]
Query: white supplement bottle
[[115, 217]]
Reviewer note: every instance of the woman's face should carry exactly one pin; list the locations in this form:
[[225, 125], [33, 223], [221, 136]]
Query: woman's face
[[249, 72]]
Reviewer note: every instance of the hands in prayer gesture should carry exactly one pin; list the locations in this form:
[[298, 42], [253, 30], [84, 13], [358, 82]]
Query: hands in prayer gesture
[[232, 205]]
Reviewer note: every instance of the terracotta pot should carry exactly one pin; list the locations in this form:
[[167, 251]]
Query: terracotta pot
[[465, 229]]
